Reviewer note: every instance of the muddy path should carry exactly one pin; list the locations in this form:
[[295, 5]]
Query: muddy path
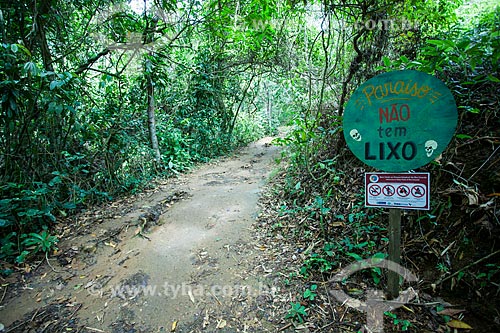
[[177, 258]]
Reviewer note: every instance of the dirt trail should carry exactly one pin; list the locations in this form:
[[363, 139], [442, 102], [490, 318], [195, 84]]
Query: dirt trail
[[170, 259]]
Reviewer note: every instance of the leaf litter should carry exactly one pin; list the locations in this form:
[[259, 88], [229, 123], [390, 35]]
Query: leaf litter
[[287, 256]]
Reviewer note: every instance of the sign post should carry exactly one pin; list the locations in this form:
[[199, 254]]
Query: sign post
[[394, 251], [396, 122]]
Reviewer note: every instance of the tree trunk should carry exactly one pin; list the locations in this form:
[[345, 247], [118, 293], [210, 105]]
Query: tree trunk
[[3, 33], [269, 110], [150, 89], [43, 9], [151, 119], [240, 104]]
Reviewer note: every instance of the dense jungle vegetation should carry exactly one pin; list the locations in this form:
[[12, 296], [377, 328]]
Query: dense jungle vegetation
[[100, 98]]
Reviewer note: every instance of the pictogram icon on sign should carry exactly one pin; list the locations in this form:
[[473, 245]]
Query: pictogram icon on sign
[[388, 190], [375, 190], [418, 191], [403, 191]]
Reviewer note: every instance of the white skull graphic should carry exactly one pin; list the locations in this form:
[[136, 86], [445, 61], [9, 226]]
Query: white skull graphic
[[355, 134], [430, 146]]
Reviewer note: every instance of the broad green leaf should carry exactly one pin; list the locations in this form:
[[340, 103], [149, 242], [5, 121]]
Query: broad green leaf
[[5, 223], [55, 180], [31, 67], [5, 202], [446, 44], [31, 213], [378, 257], [387, 61], [53, 84], [355, 256], [20, 258], [69, 205]]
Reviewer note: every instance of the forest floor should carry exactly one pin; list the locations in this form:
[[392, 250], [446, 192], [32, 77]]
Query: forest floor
[[180, 257], [213, 251]]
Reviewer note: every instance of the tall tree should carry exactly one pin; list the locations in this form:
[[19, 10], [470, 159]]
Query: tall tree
[[150, 88]]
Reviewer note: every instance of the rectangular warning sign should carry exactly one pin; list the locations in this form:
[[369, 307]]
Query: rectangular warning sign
[[397, 190]]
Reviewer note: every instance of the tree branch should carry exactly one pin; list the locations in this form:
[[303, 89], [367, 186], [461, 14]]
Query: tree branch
[[90, 62]]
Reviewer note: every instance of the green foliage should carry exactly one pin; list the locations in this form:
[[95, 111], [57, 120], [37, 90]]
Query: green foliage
[[310, 293], [204, 117], [73, 126], [471, 50], [40, 174], [248, 128], [297, 312], [440, 308], [404, 323], [43, 242], [175, 146], [363, 242], [322, 212], [30, 244], [316, 263], [442, 267], [301, 138], [376, 272], [488, 275]]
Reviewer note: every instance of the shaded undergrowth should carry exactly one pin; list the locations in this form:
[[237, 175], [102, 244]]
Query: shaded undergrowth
[[317, 210]]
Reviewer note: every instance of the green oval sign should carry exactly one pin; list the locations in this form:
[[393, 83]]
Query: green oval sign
[[399, 121]]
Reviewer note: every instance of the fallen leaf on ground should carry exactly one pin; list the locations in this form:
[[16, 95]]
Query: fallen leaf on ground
[[221, 324], [206, 319], [450, 312], [454, 323], [174, 326], [191, 296]]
